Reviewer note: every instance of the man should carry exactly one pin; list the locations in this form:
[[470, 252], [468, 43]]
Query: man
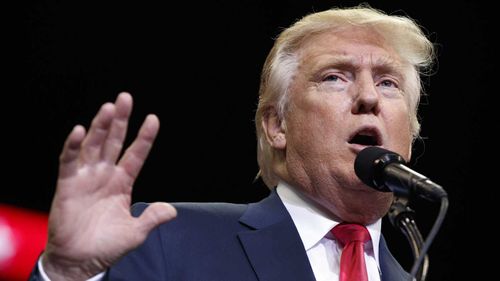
[[334, 83]]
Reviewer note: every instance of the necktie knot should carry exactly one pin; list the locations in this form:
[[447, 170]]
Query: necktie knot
[[347, 233]]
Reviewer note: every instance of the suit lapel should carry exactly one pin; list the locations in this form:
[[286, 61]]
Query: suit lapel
[[273, 246], [391, 270]]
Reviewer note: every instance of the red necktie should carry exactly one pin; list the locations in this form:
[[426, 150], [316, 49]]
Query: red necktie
[[352, 262]]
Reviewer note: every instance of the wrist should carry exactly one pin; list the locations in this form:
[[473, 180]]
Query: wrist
[[59, 269]]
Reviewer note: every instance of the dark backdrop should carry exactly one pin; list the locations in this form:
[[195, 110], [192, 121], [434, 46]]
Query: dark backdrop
[[197, 65]]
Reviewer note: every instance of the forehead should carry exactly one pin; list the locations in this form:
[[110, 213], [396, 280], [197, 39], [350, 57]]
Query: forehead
[[356, 44]]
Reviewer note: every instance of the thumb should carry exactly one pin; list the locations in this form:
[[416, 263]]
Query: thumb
[[154, 215]]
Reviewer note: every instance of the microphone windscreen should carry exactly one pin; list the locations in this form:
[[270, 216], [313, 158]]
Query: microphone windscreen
[[370, 163]]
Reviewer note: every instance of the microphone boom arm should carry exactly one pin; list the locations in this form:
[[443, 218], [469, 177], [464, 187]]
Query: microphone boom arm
[[401, 216]]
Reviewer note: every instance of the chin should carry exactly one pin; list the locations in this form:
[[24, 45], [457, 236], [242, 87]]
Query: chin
[[369, 205]]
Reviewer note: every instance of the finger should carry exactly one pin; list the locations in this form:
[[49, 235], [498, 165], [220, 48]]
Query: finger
[[133, 159], [68, 160], [154, 215], [118, 130], [99, 129]]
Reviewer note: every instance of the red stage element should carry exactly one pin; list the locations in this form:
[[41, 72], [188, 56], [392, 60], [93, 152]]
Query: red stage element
[[23, 234]]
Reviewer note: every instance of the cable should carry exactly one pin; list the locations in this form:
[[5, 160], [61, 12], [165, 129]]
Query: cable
[[430, 237], [402, 217], [416, 241]]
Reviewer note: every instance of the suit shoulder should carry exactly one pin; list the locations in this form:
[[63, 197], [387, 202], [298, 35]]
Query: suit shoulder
[[218, 209]]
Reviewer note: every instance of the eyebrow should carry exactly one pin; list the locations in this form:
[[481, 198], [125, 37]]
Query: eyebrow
[[388, 65], [381, 65]]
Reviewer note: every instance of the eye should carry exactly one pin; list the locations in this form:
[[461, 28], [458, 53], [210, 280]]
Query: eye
[[387, 83], [389, 87], [331, 78], [333, 81]]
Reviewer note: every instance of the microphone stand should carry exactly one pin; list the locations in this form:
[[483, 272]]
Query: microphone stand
[[401, 216]]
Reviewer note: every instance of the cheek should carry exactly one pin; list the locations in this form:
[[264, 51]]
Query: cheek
[[316, 119], [311, 126], [320, 121], [399, 128]]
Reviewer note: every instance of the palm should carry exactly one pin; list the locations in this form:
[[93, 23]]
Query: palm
[[95, 213], [90, 223]]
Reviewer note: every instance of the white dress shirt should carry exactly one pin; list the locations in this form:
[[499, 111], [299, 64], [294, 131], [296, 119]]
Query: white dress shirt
[[97, 277], [314, 228]]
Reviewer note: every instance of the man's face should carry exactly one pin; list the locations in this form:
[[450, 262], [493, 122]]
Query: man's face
[[347, 94]]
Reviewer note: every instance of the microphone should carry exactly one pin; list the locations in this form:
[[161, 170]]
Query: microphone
[[386, 171]]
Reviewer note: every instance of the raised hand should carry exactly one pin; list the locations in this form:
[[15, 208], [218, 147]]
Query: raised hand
[[90, 225]]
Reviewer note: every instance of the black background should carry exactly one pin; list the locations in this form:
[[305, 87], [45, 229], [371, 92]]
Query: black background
[[197, 66]]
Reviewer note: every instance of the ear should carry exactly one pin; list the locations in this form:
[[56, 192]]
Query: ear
[[274, 129]]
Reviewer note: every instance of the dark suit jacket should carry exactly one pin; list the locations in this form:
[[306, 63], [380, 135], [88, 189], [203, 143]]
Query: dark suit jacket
[[233, 242]]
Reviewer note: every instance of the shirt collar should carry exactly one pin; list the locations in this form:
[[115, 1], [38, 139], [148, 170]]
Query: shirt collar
[[313, 223]]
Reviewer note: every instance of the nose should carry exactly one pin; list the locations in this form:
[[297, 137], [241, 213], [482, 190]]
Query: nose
[[366, 98]]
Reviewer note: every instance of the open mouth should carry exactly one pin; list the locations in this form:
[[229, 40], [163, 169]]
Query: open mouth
[[366, 137]]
